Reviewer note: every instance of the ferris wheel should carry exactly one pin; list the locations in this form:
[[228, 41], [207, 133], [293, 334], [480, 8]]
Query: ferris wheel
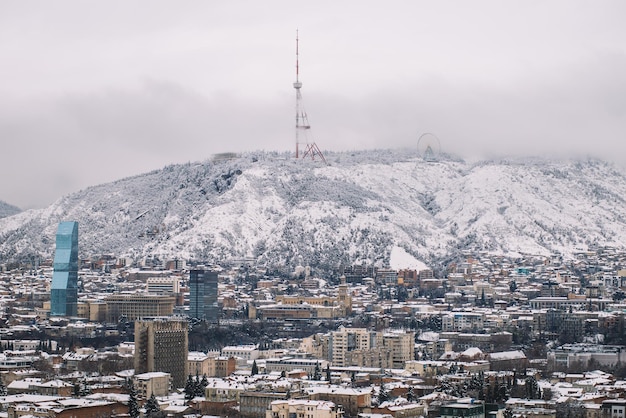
[[429, 147]]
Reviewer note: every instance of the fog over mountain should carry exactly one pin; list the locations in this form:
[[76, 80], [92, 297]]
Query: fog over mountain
[[93, 92], [360, 208]]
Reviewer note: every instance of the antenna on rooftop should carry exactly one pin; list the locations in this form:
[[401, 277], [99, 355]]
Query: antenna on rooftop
[[302, 120]]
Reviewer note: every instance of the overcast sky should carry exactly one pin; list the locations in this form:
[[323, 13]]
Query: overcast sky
[[94, 91]]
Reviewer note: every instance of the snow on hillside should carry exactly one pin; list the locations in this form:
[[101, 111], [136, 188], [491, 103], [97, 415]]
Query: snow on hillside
[[399, 259], [7, 210], [388, 208]]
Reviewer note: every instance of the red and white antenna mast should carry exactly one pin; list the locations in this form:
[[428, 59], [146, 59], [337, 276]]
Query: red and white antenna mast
[[302, 120], [300, 115]]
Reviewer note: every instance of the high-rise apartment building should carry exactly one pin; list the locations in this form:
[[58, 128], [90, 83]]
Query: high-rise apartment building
[[161, 345], [64, 289], [401, 344], [350, 339], [203, 295], [364, 348]]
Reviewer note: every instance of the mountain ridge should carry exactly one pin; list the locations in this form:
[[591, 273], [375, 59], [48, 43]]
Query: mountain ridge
[[284, 212]]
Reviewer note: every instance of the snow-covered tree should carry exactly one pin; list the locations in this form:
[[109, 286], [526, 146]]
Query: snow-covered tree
[[190, 389], [133, 406], [152, 406]]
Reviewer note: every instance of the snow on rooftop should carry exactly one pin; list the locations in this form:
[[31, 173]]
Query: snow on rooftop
[[325, 405], [28, 398], [471, 352], [508, 355], [429, 336], [151, 375]]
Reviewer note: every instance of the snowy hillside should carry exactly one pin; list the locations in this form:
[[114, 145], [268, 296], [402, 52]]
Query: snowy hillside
[[8, 210], [362, 207]]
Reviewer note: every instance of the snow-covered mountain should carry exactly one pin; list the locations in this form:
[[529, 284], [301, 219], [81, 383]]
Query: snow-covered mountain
[[362, 207], [7, 209]]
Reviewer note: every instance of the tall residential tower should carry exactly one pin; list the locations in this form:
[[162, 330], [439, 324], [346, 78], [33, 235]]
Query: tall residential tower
[[64, 289], [162, 345]]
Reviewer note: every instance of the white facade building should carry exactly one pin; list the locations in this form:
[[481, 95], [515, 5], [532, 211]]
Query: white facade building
[[302, 408], [462, 321]]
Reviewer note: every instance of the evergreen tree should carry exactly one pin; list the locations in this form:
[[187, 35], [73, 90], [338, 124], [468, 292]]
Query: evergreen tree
[[481, 393], [383, 395], [84, 388], [3, 388], [533, 391], [328, 372], [197, 387], [189, 389], [317, 374], [481, 385], [255, 368], [152, 406], [410, 395], [402, 294], [494, 393], [133, 406], [453, 368], [127, 384]]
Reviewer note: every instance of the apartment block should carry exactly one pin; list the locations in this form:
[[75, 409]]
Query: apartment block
[[161, 345]]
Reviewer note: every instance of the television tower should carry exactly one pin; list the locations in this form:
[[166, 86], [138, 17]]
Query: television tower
[[302, 120]]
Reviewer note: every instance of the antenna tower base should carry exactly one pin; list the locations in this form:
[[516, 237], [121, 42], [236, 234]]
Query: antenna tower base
[[312, 151]]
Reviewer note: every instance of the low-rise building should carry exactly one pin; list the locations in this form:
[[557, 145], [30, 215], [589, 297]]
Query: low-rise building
[[613, 408], [353, 400], [243, 353], [508, 360], [288, 364], [152, 383], [255, 404], [198, 363], [467, 410], [222, 366], [290, 408], [569, 355], [138, 305]]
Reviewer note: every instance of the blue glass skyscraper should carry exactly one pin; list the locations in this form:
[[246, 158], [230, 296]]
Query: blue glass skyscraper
[[64, 290], [203, 295]]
